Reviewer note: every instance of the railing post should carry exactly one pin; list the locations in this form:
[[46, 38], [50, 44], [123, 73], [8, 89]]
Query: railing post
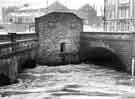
[[13, 69], [12, 37], [13, 40]]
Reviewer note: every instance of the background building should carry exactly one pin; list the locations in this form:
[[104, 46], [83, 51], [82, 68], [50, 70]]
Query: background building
[[119, 15], [22, 19], [17, 19]]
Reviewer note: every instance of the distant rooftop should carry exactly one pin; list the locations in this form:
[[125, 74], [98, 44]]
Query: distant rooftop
[[56, 6], [86, 12]]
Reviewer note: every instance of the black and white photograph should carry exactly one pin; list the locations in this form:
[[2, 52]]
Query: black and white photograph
[[67, 49]]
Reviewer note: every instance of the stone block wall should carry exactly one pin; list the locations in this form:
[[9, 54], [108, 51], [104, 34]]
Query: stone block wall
[[120, 44], [16, 55], [53, 30]]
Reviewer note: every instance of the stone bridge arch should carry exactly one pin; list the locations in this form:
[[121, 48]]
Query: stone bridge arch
[[101, 54], [102, 44], [109, 47]]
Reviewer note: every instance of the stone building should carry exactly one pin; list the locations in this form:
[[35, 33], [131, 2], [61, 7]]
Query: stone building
[[59, 36], [119, 15]]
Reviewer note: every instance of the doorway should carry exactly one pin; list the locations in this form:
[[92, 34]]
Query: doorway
[[62, 51], [62, 47]]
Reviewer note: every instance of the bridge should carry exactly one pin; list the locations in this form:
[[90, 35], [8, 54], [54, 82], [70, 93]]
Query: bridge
[[118, 48], [19, 51]]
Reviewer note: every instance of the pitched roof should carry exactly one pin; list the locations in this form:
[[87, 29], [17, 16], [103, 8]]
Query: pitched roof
[[59, 14], [89, 13], [80, 14], [85, 7], [55, 7]]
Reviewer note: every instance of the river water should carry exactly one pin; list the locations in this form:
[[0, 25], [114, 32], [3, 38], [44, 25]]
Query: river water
[[83, 81]]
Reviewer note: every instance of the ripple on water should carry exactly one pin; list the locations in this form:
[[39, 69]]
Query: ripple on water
[[83, 80]]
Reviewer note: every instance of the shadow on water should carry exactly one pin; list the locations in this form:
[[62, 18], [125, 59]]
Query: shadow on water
[[104, 57], [5, 80], [29, 64]]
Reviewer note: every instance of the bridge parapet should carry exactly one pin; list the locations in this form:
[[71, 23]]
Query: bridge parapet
[[121, 44], [15, 51], [108, 35]]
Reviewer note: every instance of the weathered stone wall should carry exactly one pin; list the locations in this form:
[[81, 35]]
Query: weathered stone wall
[[54, 29], [16, 55], [12, 66], [119, 44]]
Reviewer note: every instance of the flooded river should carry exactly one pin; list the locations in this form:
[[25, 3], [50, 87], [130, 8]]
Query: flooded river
[[83, 81]]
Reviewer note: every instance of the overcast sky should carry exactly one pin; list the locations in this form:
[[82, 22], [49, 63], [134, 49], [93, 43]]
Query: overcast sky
[[73, 4]]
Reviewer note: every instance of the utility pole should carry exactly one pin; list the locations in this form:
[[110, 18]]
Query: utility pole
[[47, 5], [104, 18]]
